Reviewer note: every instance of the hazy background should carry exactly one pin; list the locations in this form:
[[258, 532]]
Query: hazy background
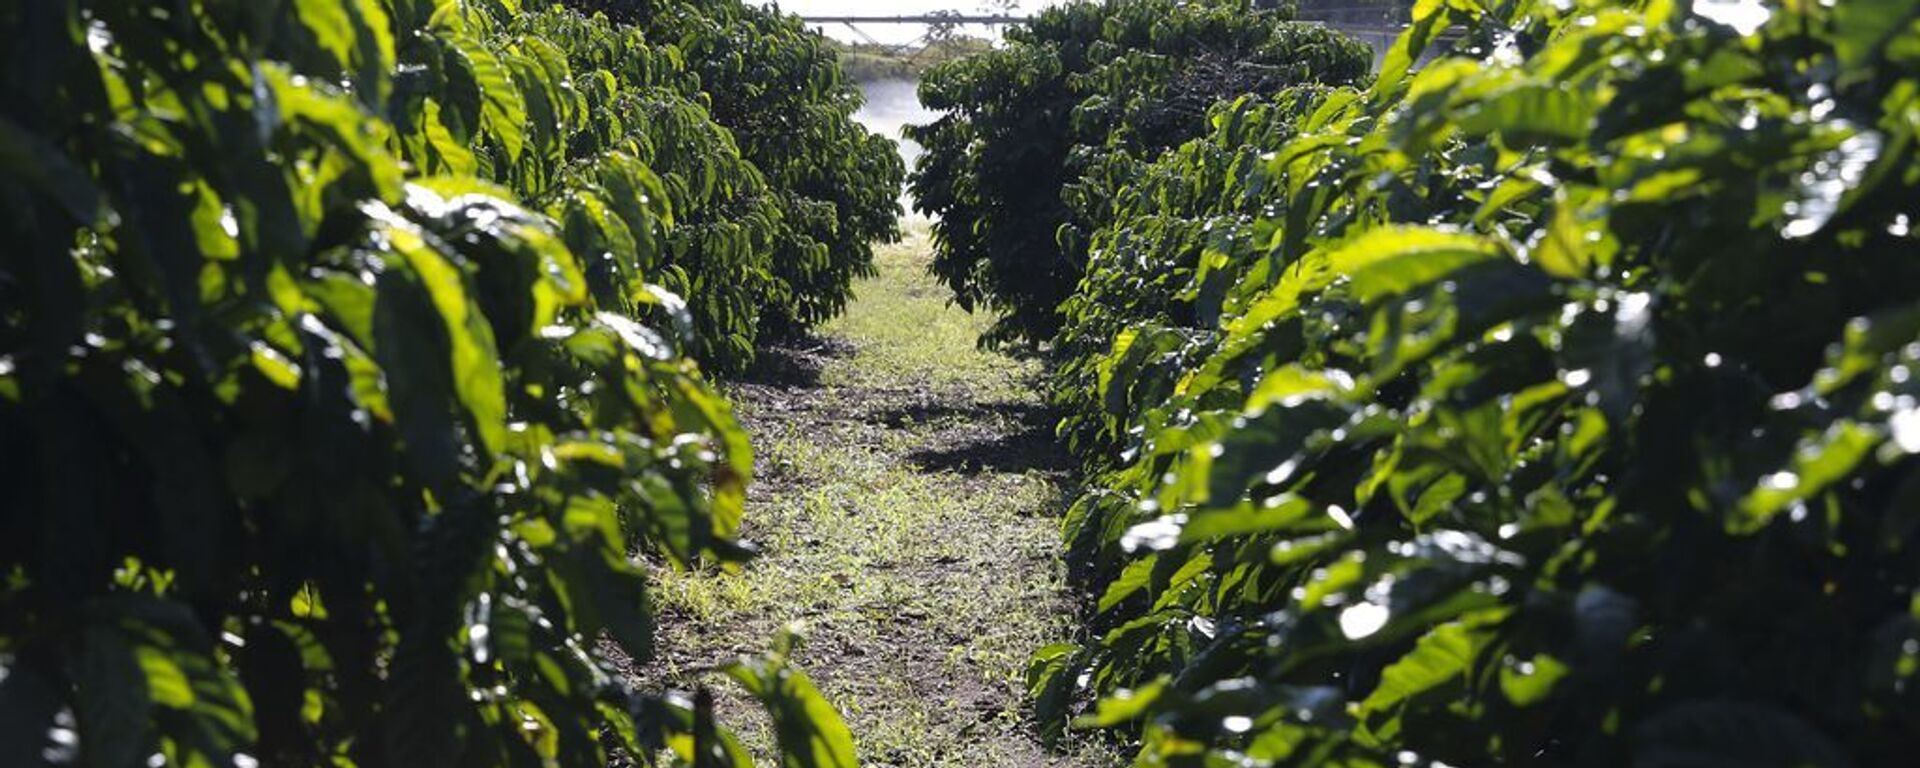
[[892, 33], [892, 104]]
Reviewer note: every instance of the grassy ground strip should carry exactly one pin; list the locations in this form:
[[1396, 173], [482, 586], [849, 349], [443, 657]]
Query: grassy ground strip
[[906, 504]]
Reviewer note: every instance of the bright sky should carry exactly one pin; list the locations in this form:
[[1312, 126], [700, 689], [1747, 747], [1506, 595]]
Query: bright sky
[[892, 33]]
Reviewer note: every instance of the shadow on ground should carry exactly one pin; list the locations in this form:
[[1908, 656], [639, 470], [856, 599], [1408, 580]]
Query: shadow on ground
[[906, 499], [1030, 450], [796, 362]]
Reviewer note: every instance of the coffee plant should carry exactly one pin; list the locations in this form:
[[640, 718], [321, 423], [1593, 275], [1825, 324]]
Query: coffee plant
[[718, 251], [1549, 403], [777, 87], [1074, 95], [342, 377]]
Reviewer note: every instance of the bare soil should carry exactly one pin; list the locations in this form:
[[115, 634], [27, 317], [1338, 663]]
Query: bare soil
[[906, 504]]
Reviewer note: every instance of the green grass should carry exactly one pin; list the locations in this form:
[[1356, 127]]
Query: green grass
[[922, 584], [908, 333]]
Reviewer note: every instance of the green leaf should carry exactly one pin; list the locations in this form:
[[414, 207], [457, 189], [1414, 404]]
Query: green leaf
[[1438, 663], [342, 125], [142, 644], [332, 27], [1530, 682], [1280, 513], [1133, 579], [165, 680], [1565, 249], [810, 732], [453, 155], [474, 364], [1863, 27], [1125, 706], [374, 51], [503, 112], [1390, 260], [1819, 463], [1532, 113]]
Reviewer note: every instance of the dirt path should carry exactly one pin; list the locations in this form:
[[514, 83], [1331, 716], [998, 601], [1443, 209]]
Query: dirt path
[[906, 502]]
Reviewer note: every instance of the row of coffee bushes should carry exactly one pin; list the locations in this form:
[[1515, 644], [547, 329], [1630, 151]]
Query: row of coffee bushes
[[778, 89], [342, 373], [1077, 96], [1549, 403]]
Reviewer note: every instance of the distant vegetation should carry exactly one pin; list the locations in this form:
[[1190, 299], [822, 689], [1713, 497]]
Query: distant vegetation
[[871, 62]]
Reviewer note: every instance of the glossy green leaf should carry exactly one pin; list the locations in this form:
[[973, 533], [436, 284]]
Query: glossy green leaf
[[811, 734]]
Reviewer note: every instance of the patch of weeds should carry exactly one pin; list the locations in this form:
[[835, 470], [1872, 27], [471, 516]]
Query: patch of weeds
[[923, 583], [907, 332]]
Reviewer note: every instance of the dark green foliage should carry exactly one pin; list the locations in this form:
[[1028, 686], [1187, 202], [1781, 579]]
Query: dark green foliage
[[1550, 406], [642, 103], [1200, 198], [338, 387], [776, 87], [1073, 97]]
